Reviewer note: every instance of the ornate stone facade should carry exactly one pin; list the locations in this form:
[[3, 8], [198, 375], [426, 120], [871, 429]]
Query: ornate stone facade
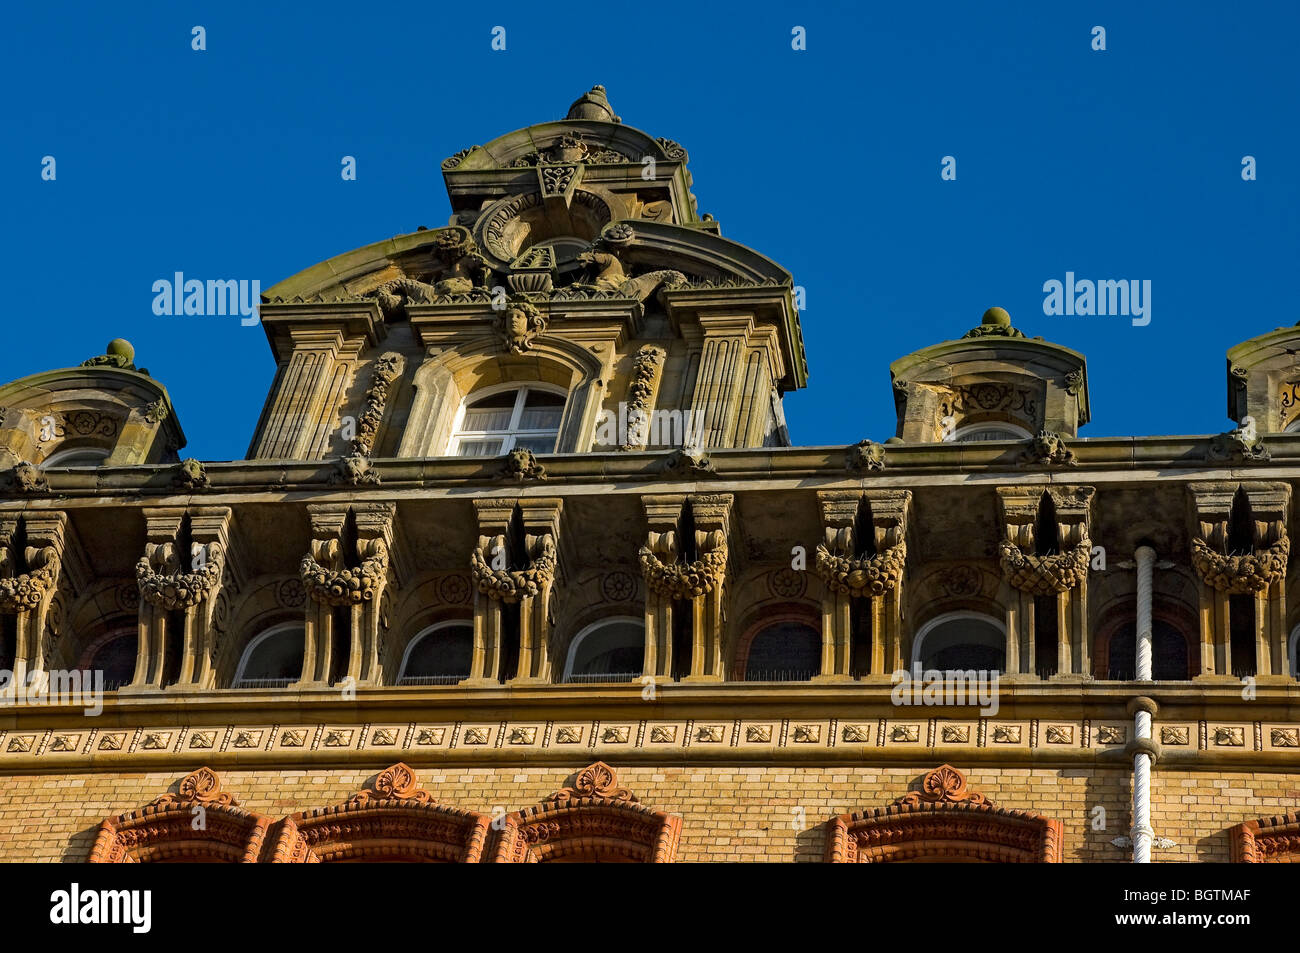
[[488, 632]]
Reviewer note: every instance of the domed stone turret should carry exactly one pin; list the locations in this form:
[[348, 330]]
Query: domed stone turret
[[593, 106]]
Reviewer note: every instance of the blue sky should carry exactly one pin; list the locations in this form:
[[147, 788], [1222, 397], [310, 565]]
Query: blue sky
[[1122, 164]]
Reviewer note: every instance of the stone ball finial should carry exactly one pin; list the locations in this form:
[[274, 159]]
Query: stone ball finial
[[998, 316], [593, 105], [121, 347]]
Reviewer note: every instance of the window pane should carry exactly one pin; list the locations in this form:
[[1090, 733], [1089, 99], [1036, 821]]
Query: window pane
[[505, 399], [541, 398], [538, 443], [479, 448], [543, 418], [486, 420]]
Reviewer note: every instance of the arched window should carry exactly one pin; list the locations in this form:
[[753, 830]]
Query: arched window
[[498, 421], [1168, 653], [1291, 649], [273, 659], [961, 641], [784, 652], [76, 457], [974, 433], [438, 655], [612, 650], [115, 656]]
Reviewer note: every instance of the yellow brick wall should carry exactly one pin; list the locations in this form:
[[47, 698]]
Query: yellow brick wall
[[728, 813]]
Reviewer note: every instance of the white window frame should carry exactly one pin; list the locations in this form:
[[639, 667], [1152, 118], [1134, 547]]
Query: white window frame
[[424, 634], [593, 628], [53, 460], [258, 640], [509, 436], [984, 427], [918, 641]]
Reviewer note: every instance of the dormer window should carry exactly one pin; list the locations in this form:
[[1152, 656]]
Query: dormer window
[[518, 418], [989, 431]]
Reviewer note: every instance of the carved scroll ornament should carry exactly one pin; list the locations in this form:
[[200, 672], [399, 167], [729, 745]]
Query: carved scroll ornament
[[25, 591]]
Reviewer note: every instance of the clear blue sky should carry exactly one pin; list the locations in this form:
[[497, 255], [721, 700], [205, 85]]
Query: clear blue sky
[[1117, 164]]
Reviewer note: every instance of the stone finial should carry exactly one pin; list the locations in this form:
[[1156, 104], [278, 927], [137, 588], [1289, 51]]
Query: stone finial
[[593, 105], [119, 353], [996, 322]]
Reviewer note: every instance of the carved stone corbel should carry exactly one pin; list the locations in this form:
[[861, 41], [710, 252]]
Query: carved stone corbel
[[346, 576], [1257, 573], [1059, 576], [681, 572], [504, 583], [31, 561]]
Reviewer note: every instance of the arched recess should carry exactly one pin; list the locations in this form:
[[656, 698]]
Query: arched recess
[[961, 640], [1175, 654], [273, 658], [440, 654], [393, 820], [783, 636], [443, 383], [164, 829], [594, 821], [1292, 643], [943, 822], [1268, 840], [612, 649]]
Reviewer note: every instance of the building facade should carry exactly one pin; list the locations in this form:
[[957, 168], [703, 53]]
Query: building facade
[[522, 566]]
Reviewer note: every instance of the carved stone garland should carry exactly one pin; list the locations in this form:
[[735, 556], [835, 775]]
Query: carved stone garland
[[645, 368], [25, 591], [174, 589], [685, 580], [512, 585], [346, 587], [1045, 575], [386, 370], [1238, 575], [869, 576]]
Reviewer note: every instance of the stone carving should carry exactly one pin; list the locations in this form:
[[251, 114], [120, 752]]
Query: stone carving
[[112, 742], [476, 736], [807, 734], [672, 150], [987, 397], [532, 272], [384, 736], [1006, 734], [596, 781], [944, 785], [354, 470], [65, 742], [291, 593], [163, 584], [1231, 736], [571, 147], [190, 476], [452, 161], [958, 581], [520, 324], [393, 784], [617, 735], [523, 736], [665, 734], [611, 277], [338, 737], [856, 733], [995, 323], [905, 733], [26, 478], [119, 354], [677, 580], [1045, 575], [1060, 734], [511, 585], [24, 591], [203, 740], [521, 464], [955, 734], [1240, 445], [645, 370], [709, 733], [1250, 572], [1048, 448], [387, 369], [685, 463], [618, 586], [556, 179], [430, 736], [787, 583], [865, 455], [1174, 735], [1285, 737], [869, 576], [1112, 734], [341, 585], [202, 787], [760, 734], [156, 412], [568, 735]]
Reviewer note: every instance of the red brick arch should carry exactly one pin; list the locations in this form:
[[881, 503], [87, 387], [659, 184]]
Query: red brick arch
[[595, 820], [1269, 840], [168, 828], [943, 822]]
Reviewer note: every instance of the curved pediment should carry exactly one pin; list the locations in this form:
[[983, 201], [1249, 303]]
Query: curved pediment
[[565, 141]]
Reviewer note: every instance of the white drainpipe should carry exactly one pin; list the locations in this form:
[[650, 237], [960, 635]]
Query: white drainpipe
[[1141, 834]]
